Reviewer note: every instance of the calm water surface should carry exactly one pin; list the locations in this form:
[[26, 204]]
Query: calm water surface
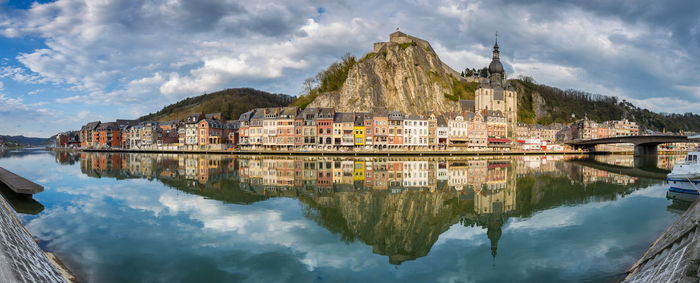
[[199, 218]]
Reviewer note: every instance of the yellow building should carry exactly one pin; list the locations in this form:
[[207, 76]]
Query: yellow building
[[360, 128], [359, 135], [359, 171]]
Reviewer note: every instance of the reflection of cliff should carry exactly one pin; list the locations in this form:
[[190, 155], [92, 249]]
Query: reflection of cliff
[[398, 206], [402, 226]]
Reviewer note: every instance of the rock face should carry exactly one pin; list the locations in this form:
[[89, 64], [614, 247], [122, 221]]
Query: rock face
[[403, 74]]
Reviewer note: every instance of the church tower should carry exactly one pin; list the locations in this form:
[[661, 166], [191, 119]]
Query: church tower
[[496, 94]]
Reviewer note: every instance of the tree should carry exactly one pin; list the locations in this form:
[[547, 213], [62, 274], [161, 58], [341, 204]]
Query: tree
[[484, 73], [309, 85]]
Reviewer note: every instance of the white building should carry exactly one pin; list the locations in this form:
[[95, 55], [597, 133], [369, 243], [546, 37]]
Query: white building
[[415, 131], [269, 136], [458, 129], [415, 173]]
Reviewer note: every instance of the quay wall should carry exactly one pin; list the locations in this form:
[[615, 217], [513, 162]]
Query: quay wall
[[354, 153], [364, 152], [675, 255], [21, 258]]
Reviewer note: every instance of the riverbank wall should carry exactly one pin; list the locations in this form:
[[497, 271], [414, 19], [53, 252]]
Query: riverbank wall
[[21, 258], [675, 255], [350, 153], [362, 152]]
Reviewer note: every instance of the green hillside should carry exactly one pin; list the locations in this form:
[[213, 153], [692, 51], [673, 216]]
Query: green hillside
[[543, 104], [22, 140], [230, 102]]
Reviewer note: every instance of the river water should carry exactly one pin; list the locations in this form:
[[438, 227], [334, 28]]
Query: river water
[[213, 218]]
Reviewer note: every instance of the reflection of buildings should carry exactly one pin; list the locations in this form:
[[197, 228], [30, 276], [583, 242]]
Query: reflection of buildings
[[63, 157], [399, 206]]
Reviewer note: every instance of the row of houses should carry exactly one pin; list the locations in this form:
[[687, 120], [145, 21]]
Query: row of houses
[[198, 131], [324, 128], [291, 128], [585, 129]]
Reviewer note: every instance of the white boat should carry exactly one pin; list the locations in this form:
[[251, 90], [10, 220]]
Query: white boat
[[685, 177]]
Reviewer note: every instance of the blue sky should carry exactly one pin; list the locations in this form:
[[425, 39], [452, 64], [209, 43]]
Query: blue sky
[[67, 62]]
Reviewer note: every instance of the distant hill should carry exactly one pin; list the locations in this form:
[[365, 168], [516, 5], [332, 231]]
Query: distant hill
[[22, 140], [230, 102], [544, 105]]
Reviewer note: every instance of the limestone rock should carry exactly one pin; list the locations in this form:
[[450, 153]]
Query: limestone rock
[[403, 74]]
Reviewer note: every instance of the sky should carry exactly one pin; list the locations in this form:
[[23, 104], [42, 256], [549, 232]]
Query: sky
[[68, 62]]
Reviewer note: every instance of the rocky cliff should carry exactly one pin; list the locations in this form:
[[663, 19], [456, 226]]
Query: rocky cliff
[[401, 226], [403, 74]]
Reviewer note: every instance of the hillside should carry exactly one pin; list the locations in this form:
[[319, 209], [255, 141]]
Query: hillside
[[544, 104], [22, 140], [403, 74], [230, 102]]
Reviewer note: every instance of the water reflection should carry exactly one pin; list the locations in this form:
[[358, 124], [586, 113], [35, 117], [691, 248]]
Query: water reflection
[[398, 206], [20, 203]]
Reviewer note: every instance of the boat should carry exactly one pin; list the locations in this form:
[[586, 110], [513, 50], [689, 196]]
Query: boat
[[685, 176]]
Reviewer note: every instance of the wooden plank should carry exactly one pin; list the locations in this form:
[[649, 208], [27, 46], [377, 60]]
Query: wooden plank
[[19, 184]]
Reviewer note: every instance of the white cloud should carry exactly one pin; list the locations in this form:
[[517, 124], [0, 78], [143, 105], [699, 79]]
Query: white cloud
[[146, 54]]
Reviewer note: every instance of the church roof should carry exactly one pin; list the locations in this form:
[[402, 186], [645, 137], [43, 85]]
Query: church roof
[[467, 105], [495, 67]]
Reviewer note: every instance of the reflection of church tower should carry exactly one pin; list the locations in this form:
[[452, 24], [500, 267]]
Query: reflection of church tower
[[493, 226], [496, 200]]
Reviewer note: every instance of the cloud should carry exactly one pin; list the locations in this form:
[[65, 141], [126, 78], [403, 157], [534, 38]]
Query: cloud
[[21, 75], [144, 54], [15, 107]]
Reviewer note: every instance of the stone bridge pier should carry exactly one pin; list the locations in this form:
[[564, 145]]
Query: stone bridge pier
[[644, 149]]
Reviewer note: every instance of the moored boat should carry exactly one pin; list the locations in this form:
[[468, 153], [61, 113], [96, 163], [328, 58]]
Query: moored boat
[[685, 177]]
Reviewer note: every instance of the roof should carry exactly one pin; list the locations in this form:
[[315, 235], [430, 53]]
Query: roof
[[144, 123], [493, 113], [171, 122], [395, 115], [360, 118], [246, 116], [308, 113], [194, 118], [213, 116], [467, 105], [325, 113], [213, 123], [259, 113], [468, 116], [414, 117], [287, 112], [124, 123], [108, 126], [344, 117], [232, 124], [441, 121], [91, 126]]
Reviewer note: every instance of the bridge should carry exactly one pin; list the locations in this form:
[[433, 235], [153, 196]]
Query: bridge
[[640, 170], [643, 145]]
